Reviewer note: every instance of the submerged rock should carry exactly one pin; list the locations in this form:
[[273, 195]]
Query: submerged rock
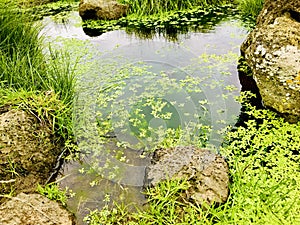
[[33, 209], [101, 9], [272, 50], [206, 171]]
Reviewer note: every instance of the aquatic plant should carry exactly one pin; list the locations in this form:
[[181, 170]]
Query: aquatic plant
[[263, 157], [200, 19], [57, 8], [53, 192]]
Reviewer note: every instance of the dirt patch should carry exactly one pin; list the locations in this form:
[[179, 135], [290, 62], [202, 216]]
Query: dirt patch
[[27, 151]]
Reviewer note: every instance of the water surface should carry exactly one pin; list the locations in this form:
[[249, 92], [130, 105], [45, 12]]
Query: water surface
[[123, 81]]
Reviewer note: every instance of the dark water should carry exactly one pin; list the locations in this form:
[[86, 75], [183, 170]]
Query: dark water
[[196, 76]]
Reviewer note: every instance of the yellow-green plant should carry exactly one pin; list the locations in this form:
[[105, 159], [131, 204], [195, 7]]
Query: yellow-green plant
[[53, 192], [263, 157]]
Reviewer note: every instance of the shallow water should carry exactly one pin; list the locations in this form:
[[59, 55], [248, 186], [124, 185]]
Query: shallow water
[[196, 77]]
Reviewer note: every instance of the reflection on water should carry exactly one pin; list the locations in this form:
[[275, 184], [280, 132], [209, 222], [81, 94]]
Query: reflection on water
[[123, 80], [170, 27]]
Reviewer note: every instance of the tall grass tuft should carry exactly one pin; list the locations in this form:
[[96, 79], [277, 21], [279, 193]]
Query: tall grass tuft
[[34, 77], [146, 7], [24, 63], [250, 8]]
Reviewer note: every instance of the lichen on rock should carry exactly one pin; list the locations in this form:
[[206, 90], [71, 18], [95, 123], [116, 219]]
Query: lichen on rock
[[272, 50]]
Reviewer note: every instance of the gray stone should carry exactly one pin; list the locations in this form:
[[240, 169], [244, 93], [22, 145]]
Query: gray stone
[[33, 209], [101, 9], [206, 171], [272, 50]]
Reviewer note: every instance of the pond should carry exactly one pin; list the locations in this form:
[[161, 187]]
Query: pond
[[138, 94]]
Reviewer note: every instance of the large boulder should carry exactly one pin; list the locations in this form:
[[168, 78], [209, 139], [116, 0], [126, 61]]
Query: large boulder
[[206, 172], [101, 9], [272, 50], [27, 151]]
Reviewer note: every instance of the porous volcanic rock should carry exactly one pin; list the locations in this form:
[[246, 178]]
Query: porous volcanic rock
[[101, 9], [33, 209], [27, 151], [272, 50], [206, 172]]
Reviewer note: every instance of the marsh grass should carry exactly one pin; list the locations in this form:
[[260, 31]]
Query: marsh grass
[[250, 8], [34, 78], [146, 7], [24, 61]]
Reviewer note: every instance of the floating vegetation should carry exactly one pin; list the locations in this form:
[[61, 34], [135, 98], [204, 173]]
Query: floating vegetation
[[39, 11], [196, 19]]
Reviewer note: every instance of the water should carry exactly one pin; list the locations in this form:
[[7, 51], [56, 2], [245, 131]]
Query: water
[[133, 96]]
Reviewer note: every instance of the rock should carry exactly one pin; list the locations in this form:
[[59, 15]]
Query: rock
[[272, 50], [27, 151], [276, 8], [206, 171], [101, 9], [33, 209]]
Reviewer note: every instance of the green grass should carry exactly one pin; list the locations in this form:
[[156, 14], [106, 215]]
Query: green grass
[[34, 77], [149, 7], [146, 7], [263, 157], [26, 64], [29, 71], [250, 8]]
